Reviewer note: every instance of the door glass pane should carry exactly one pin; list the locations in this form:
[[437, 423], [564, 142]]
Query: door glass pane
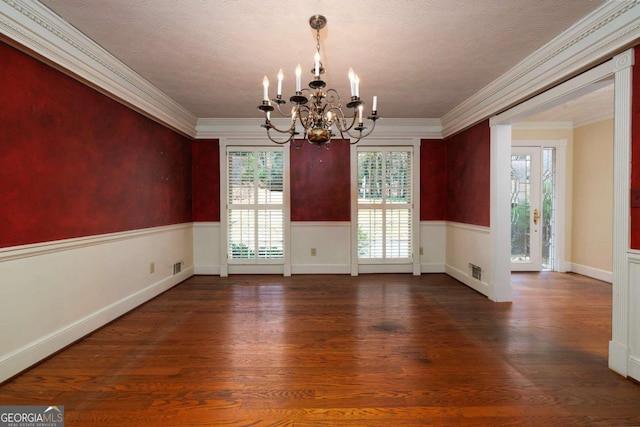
[[269, 177], [520, 208], [241, 233], [398, 177], [370, 177], [241, 178], [548, 207], [370, 233], [398, 241], [270, 233]]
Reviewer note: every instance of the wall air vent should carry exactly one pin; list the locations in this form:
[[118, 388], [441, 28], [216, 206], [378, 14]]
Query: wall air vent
[[476, 272], [177, 267]]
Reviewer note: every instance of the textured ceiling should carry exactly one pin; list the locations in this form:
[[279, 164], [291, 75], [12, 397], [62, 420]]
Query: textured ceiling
[[594, 106], [420, 57]]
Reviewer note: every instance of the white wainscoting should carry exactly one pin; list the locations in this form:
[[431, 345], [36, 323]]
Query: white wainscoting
[[54, 293], [634, 315], [332, 243], [331, 240], [206, 248], [468, 244], [433, 241]]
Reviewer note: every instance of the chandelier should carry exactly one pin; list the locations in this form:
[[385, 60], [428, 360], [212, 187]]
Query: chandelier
[[316, 109]]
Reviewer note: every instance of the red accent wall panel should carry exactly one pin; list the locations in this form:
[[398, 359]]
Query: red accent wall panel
[[468, 175], [635, 154], [74, 162], [320, 182], [433, 180], [206, 179]]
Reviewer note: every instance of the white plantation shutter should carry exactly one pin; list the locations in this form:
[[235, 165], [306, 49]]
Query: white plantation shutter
[[385, 205], [255, 204]]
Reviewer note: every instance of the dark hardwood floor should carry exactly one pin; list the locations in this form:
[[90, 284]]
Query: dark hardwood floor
[[317, 350]]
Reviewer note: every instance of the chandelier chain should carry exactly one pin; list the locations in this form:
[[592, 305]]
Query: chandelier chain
[[318, 40]]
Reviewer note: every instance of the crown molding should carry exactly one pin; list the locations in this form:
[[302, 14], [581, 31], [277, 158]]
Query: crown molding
[[595, 38], [593, 120], [42, 32], [250, 128], [563, 125], [542, 125]]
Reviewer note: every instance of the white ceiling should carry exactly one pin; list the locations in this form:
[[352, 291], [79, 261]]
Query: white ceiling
[[420, 57], [589, 108]]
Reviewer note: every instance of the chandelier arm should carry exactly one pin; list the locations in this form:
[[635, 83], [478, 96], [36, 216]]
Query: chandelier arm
[[291, 136], [360, 135], [332, 96], [270, 125], [339, 117], [296, 145], [284, 114], [344, 126], [304, 114]]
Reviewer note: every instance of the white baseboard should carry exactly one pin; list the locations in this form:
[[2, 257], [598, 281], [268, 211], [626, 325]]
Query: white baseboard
[[619, 359], [594, 273], [30, 354], [207, 270], [432, 268], [634, 368], [320, 269], [463, 277]]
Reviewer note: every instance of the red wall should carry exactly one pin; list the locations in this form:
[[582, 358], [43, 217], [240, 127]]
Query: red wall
[[468, 175], [206, 180], [433, 180], [74, 162], [320, 182], [635, 155]]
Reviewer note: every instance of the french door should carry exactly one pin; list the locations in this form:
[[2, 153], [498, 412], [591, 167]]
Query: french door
[[255, 205], [385, 205], [526, 209]]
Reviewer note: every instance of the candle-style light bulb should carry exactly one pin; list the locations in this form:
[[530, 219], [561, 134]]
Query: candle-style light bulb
[[280, 78], [351, 77], [374, 107], [265, 85], [356, 80], [298, 74], [360, 107], [316, 64], [329, 116]]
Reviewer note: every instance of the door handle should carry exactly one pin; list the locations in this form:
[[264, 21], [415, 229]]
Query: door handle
[[536, 216]]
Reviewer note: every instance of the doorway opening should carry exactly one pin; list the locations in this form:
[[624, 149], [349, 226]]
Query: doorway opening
[[618, 68]]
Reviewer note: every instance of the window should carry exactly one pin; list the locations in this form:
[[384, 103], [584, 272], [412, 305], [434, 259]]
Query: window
[[385, 204], [255, 205]]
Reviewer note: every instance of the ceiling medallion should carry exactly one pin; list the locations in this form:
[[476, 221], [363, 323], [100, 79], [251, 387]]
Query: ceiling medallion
[[318, 110]]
